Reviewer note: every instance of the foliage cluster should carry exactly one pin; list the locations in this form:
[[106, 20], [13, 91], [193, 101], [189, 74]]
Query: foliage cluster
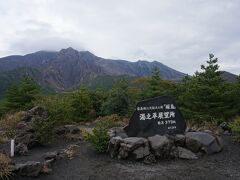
[[100, 138], [235, 127]]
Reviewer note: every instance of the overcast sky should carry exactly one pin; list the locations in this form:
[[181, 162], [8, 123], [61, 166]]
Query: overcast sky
[[178, 33]]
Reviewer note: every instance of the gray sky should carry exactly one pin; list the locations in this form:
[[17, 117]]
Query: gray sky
[[178, 33]]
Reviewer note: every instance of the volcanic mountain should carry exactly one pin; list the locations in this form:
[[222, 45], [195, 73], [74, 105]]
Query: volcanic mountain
[[69, 69]]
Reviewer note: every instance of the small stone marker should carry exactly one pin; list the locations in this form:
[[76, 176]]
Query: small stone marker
[[159, 115]]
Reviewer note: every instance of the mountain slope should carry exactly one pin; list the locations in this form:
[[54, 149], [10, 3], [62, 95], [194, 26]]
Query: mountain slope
[[68, 69]]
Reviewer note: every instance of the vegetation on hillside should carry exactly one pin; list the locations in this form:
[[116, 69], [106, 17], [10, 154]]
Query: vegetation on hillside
[[204, 97]]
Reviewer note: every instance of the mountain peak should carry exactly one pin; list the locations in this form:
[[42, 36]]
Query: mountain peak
[[68, 52]]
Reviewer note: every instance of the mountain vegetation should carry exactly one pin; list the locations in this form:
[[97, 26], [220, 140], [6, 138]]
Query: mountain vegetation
[[203, 98], [69, 69]]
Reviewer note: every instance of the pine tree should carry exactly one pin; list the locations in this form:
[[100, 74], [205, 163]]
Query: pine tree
[[22, 96], [118, 100], [203, 98]]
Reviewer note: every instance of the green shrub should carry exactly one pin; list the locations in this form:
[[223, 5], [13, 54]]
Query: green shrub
[[235, 127], [43, 129], [100, 138], [58, 107], [80, 104]]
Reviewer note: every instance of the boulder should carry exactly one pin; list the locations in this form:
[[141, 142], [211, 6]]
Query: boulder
[[207, 142], [179, 140], [114, 145], [185, 153], [117, 131], [28, 139], [21, 149], [38, 111], [25, 137], [128, 145], [141, 152], [71, 132], [162, 146], [51, 155], [193, 144], [30, 168]]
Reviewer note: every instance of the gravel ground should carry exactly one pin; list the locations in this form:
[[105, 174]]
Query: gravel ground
[[89, 165]]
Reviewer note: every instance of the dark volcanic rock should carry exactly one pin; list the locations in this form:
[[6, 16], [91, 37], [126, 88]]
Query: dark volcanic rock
[[207, 142], [25, 134], [30, 168]]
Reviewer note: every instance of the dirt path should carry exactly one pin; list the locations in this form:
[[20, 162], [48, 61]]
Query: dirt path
[[91, 166]]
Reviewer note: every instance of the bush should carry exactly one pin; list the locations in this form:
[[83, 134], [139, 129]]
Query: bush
[[9, 123], [81, 104], [5, 167], [44, 131], [118, 100], [235, 127], [58, 107], [100, 138], [109, 121]]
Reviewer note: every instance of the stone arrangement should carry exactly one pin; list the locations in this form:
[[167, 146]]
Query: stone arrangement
[[35, 168], [25, 138], [190, 145]]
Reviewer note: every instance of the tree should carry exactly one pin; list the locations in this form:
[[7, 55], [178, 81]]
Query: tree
[[22, 96], [118, 100], [203, 96], [97, 98], [81, 103], [157, 87]]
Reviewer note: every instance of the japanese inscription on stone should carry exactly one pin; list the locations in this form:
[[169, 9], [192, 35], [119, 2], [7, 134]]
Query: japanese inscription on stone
[[156, 116]]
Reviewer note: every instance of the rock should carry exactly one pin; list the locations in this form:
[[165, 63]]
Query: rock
[[28, 139], [117, 131], [193, 144], [51, 155], [39, 111], [114, 145], [185, 153], [208, 143], [25, 138], [130, 144], [150, 159], [70, 132], [21, 149], [71, 151], [72, 129], [23, 127], [30, 168], [179, 140], [140, 152], [162, 146]]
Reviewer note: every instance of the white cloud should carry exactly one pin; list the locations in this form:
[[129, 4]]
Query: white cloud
[[180, 34]]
